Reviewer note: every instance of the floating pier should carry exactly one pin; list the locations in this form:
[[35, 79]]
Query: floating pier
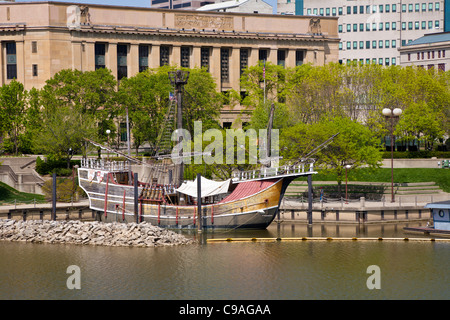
[[323, 239]]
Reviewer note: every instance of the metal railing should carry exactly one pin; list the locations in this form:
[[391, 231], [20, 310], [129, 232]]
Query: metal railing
[[274, 172], [104, 164]]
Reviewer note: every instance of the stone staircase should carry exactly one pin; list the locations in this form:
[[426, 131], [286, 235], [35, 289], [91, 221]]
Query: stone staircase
[[416, 188], [19, 173]]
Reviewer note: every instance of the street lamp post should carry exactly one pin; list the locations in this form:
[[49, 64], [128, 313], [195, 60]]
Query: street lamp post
[[346, 194], [107, 139], [391, 115]]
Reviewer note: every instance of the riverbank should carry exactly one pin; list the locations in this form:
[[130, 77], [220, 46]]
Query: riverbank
[[89, 233]]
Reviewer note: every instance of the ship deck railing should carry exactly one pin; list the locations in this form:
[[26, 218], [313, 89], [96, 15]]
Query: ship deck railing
[[274, 172], [105, 165]]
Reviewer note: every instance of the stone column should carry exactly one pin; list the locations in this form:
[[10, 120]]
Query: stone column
[[133, 60], [20, 62], [195, 60], [253, 56], [111, 58], [290, 58], [89, 56], [235, 70], [2, 65], [214, 66], [175, 56], [153, 59]]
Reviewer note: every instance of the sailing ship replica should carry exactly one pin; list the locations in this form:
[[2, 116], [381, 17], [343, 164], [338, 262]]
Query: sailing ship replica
[[250, 199]]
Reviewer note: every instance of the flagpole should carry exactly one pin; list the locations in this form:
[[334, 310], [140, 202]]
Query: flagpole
[[264, 75]]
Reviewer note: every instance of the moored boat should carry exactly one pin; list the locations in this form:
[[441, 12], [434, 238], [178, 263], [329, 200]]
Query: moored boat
[[250, 199]]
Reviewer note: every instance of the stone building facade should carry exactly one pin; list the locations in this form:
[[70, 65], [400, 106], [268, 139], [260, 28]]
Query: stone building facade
[[38, 39]]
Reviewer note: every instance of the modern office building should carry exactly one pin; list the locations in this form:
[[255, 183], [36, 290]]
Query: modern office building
[[373, 31], [242, 6], [179, 4], [38, 39], [431, 51]]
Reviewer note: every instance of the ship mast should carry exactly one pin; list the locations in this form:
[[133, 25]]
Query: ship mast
[[178, 79]]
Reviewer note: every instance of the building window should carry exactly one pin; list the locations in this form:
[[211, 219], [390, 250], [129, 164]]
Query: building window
[[143, 57], [394, 25], [436, 24], [394, 43], [443, 53], [349, 27], [387, 26], [100, 51], [164, 52], [441, 66], [430, 66], [381, 26], [299, 54], [340, 28], [388, 8], [340, 11], [387, 43], [380, 61], [418, 55], [33, 46], [409, 56], [394, 8], [35, 70], [204, 58], [374, 44], [123, 132], [410, 25], [185, 56], [349, 10], [355, 45], [11, 60], [122, 51], [281, 58], [355, 27], [430, 24], [416, 25], [410, 7], [403, 7], [361, 9], [437, 7], [387, 61], [394, 61], [333, 11], [380, 44], [262, 55], [424, 25], [424, 7], [327, 11], [355, 9], [349, 45], [430, 6], [367, 44], [417, 7], [224, 65], [361, 44], [361, 27], [340, 45]]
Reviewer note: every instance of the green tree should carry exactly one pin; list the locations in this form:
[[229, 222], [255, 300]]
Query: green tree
[[12, 112], [62, 133], [355, 144]]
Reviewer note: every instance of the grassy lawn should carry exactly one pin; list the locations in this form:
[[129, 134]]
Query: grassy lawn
[[440, 176], [8, 195]]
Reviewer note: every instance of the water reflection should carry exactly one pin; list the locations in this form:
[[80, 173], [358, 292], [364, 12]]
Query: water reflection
[[246, 270], [293, 230]]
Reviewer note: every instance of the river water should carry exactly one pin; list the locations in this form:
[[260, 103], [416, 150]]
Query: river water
[[235, 270]]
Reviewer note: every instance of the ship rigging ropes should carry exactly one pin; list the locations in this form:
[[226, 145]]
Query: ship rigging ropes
[[316, 149]]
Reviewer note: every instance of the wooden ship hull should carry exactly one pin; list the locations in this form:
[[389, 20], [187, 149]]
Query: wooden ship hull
[[253, 201]]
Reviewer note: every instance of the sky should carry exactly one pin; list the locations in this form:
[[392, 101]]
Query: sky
[[130, 3]]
